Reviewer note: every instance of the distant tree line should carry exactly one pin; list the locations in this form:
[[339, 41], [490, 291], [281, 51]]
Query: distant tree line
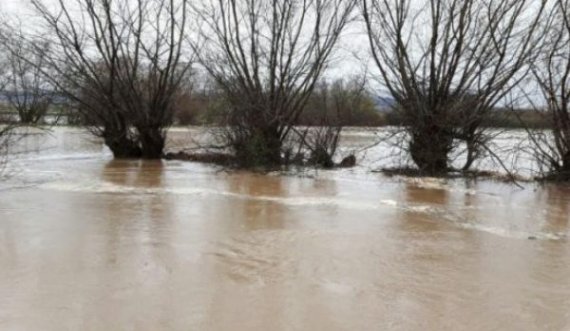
[[255, 70]]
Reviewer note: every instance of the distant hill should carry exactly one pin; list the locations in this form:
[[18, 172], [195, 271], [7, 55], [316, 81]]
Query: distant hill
[[6, 96], [384, 103]]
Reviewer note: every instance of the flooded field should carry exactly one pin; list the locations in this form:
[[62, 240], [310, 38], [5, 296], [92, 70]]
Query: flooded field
[[88, 243]]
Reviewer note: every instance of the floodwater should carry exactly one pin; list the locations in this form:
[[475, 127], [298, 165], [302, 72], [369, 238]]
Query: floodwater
[[88, 243]]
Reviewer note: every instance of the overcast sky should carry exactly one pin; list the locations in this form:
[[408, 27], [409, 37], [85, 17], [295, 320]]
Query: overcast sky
[[346, 64], [11, 5], [353, 57]]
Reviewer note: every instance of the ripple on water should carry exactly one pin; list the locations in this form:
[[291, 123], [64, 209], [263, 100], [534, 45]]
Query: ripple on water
[[451, 216]]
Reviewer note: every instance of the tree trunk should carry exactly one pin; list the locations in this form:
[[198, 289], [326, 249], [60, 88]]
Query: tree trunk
[[262, 147], [565, 169], [471, 155], [122, 147], [26, 119], [430, 148], [152, 143]]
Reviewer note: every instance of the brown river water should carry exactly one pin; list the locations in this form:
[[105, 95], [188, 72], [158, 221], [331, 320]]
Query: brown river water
[[88, 243]]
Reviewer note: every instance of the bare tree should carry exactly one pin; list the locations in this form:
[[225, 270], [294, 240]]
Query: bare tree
[[448, 63], [3, 59], [266, 56], [551, 148], [26, 88], [5, 130], [121, 62]]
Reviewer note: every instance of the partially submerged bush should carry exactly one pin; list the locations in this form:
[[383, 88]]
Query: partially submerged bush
[[330, 108]]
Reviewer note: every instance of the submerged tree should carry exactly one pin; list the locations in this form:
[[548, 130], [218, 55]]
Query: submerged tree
[[552, 73], [121, 63], [448, 75], [266, 56]]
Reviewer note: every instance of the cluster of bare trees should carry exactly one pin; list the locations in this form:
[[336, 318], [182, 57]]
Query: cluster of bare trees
[[125, 65]]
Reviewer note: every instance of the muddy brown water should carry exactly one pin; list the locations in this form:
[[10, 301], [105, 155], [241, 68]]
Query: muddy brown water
[[88, 243]]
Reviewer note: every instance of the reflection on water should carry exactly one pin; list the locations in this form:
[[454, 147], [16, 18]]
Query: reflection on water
[[134, 173], [90, 243], [258, 214]]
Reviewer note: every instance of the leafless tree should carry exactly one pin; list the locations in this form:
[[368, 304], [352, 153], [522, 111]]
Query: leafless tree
[[448, 63], [121, 62], [552, 73], [266, 56], [5, 130], [3, 58], [26, 88]]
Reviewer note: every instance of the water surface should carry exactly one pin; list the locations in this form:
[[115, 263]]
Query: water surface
[[88, 243]]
